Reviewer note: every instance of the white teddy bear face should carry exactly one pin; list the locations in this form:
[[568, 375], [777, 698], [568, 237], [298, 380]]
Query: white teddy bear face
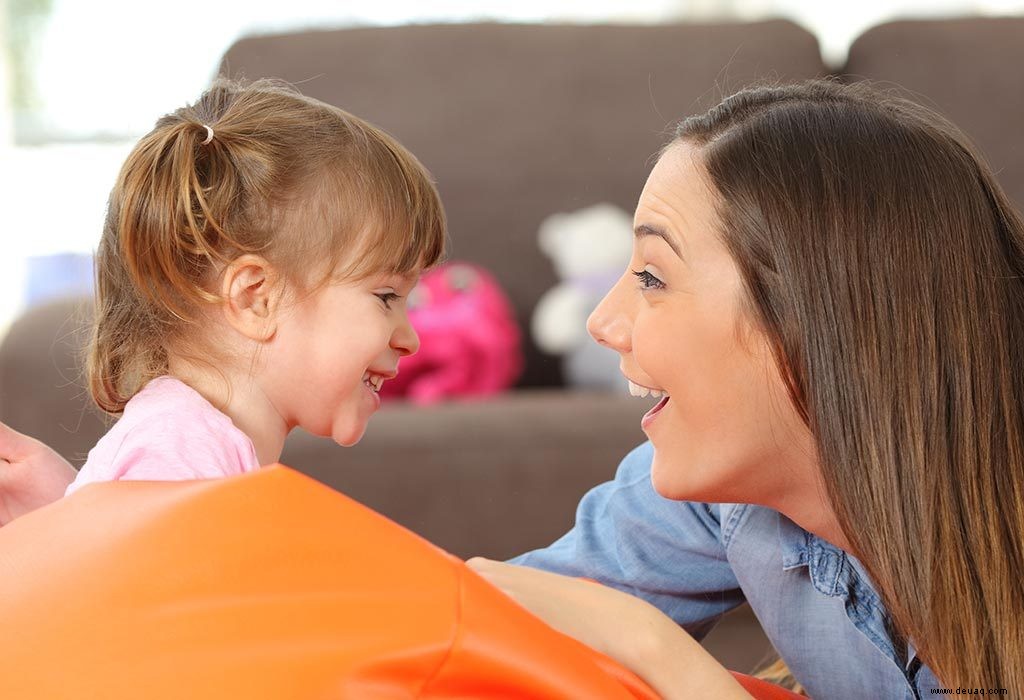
[[595, 240], [590, 250]]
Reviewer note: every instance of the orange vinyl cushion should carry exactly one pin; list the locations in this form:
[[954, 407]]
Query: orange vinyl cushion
[[267, 585]]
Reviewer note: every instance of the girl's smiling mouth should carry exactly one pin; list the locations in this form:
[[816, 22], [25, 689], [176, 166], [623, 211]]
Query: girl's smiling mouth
[[374, 380]]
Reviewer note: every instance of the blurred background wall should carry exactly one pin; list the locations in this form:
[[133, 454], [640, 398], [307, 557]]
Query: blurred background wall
[[81, 81]]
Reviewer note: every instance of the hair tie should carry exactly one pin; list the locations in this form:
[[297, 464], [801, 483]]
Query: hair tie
[[209, 135]]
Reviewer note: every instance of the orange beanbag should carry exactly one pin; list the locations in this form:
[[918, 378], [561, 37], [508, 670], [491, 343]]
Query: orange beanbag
[[268, 585]]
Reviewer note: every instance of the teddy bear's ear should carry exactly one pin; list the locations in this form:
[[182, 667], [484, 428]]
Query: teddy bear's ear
[[550, 234]]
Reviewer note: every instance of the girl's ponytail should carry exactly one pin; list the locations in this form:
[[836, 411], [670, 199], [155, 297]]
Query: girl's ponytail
[[164, 217]]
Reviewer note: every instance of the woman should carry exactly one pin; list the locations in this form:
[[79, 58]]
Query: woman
[[828, 285]]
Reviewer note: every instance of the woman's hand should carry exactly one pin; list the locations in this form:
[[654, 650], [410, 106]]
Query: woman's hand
[[31, 474], [621, 626]]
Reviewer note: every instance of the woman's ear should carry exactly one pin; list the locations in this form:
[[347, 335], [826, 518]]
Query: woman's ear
[[251, 290]]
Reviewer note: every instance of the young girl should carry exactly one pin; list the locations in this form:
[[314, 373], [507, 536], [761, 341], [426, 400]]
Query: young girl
[[251, 278]]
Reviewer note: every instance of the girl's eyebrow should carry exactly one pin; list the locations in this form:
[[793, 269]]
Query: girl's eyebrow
[[394, 274], [650, 230]]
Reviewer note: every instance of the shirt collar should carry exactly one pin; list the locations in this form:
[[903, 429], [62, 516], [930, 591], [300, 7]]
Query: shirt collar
[[832, 571], [835, 573], [794, 541]]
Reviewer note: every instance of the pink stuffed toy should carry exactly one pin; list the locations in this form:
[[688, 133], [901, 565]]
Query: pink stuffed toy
[[469, 340]]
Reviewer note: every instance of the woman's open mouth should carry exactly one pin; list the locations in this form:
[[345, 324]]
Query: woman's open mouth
[[643, 391], [653, 413]]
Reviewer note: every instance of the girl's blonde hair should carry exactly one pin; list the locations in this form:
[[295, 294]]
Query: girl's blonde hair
[[886, 266], [318, 192]]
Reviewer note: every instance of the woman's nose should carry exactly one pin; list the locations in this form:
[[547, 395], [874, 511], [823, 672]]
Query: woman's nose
[[610, 324]]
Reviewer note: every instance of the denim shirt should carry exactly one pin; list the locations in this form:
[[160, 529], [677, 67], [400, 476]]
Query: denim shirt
[[696, 561]]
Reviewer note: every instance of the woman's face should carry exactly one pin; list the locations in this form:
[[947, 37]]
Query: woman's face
[[728, 432]]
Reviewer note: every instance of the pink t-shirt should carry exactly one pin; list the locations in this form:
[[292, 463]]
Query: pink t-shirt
[[168, 432]]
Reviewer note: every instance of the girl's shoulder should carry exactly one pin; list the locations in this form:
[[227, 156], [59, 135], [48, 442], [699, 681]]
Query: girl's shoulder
[[169, 432], [167, 394]]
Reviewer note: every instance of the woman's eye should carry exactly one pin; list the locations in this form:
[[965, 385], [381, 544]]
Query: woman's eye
[[387, 297], [647, 280]]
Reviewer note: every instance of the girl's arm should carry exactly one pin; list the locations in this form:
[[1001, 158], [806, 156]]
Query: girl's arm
[[31, 474], [621, 626]]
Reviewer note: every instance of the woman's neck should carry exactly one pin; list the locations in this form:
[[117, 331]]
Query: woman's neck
[[809, 508], [791, 482]]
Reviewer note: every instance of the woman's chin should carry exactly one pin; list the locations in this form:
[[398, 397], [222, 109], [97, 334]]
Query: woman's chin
[[662, 479], [674, 479]]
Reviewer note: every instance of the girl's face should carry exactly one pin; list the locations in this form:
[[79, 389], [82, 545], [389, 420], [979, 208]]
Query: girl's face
[[728, 431], [332, 350]]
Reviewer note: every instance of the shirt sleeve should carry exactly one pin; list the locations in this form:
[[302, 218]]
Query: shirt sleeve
[[670, 553]]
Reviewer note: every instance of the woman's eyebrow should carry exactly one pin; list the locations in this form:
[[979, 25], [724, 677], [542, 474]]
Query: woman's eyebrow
[[649, 230]]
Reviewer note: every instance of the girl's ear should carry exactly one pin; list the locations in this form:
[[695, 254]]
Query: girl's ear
[[251, 290]]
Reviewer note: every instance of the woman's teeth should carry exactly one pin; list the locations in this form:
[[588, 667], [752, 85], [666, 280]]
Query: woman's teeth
[[374, 381], [642, 391]]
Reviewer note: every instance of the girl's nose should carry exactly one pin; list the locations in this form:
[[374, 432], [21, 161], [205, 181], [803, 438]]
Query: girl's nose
[[610, 324], [405, 340]]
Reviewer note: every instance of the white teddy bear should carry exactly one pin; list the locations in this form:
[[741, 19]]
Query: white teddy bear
[[590, 248]]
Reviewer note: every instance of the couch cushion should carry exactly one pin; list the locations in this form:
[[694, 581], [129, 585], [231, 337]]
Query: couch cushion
[[968, 69], [517, 122]]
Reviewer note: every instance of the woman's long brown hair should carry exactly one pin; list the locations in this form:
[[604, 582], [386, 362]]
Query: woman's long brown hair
[[318, 192], [886, 266]]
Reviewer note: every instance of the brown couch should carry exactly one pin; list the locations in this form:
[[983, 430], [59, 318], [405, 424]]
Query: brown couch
[[517, 122]]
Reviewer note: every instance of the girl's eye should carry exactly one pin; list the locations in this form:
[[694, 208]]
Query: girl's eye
[[387, 297], [647, 280]]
